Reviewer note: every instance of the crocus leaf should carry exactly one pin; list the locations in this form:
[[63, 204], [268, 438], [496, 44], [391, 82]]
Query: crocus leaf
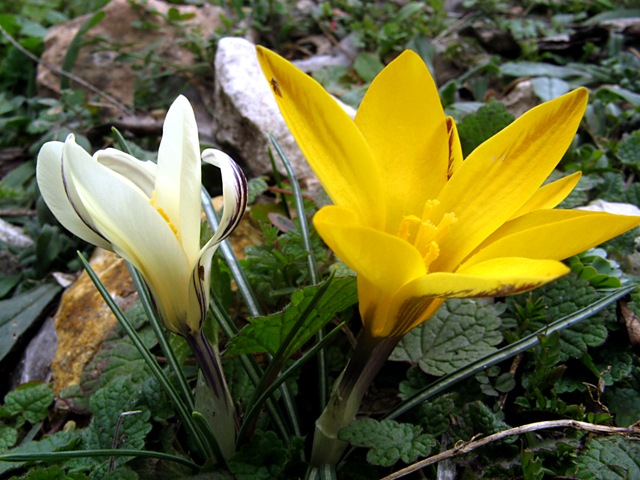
[[265, 334], [461, 332], [611, 458], [17, 314], [388, 440], [61, 440]]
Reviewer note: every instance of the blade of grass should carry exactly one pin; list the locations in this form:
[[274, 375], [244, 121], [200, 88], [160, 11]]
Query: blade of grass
[[64, 455], [181, 406], [278, 360], [247, 294], [158, 329], [323, 375], [249, 364], [507, 352]]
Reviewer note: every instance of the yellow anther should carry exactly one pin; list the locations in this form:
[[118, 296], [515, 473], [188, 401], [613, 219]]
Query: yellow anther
[[154, 202]]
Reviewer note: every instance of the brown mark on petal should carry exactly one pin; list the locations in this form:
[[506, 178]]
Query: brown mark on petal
[[201, 272], [276, 87]]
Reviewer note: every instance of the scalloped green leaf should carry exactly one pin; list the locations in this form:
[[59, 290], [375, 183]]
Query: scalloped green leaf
[[388, 440], [265, 458], [266, 334], [477, 127], [462, 331], [52, 443], [629, 150], [611, 458], [8, 437], [31, 400]]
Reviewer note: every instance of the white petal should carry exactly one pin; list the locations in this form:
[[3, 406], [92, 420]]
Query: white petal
[[54, 193], [142, 173], [138, 233], [178, 175], [234, 189]]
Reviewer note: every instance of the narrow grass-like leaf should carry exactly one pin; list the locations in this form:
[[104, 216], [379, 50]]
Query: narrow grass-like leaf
[[181, 406], [507, 352], [65, 455], [247, 294], [210, 437], [323, 375], [249, 364], [158, 329]]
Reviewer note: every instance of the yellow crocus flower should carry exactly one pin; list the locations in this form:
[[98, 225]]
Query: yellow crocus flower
[[415, 221]]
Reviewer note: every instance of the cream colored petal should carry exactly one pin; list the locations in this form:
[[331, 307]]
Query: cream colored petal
[[402, 120], [332, 144], [178, 177], [53, 190], [142, 173], [234, 188], [504, 172], [138, 233]]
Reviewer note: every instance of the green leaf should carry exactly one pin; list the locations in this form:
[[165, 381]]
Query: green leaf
[[629, 150], [17, 314], [435, 415], [388, 440], [107, 405], [548, 88], [477, 418], [538, 69], [256, 187], [31, 400], [51, 473], [74, 47], [266, 458], [367, 66], [611, 458], [477, 127], [624, 403], [8, 437], [53, 443], [266, 334], [461, 332]]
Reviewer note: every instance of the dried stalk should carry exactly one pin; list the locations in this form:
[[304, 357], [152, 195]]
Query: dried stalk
[[465, 447]]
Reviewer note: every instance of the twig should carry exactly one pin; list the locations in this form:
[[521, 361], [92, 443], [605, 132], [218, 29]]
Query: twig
[[109, 98], [633, 430]]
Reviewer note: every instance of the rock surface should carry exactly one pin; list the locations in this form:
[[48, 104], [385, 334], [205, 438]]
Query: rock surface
[[83, 318], [246, 113], [120, 44]]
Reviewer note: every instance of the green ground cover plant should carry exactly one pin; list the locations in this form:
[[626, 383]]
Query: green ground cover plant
[[544, 384]]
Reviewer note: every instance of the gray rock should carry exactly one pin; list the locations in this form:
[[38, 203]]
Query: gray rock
[[246, 112]]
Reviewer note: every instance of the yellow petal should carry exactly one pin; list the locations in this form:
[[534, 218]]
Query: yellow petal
[[178, 175], [455, 148], [550, 195], [332, 144], [552, 234], [498, 277], [402, 120], [383, 259], [504, 172]]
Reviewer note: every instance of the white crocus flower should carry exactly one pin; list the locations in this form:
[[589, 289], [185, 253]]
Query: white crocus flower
[[148, 214]]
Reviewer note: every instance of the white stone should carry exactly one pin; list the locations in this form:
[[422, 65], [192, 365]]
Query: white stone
[[246, 112]]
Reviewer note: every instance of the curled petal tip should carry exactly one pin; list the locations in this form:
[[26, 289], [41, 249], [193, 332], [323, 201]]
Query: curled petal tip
[[234, 185]]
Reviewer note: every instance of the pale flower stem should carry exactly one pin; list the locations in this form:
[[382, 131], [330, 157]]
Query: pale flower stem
[[224, 425], [365, 363]]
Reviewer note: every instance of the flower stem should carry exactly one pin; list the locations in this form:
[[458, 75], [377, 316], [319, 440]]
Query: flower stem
[[224, 425], [367, 360]]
